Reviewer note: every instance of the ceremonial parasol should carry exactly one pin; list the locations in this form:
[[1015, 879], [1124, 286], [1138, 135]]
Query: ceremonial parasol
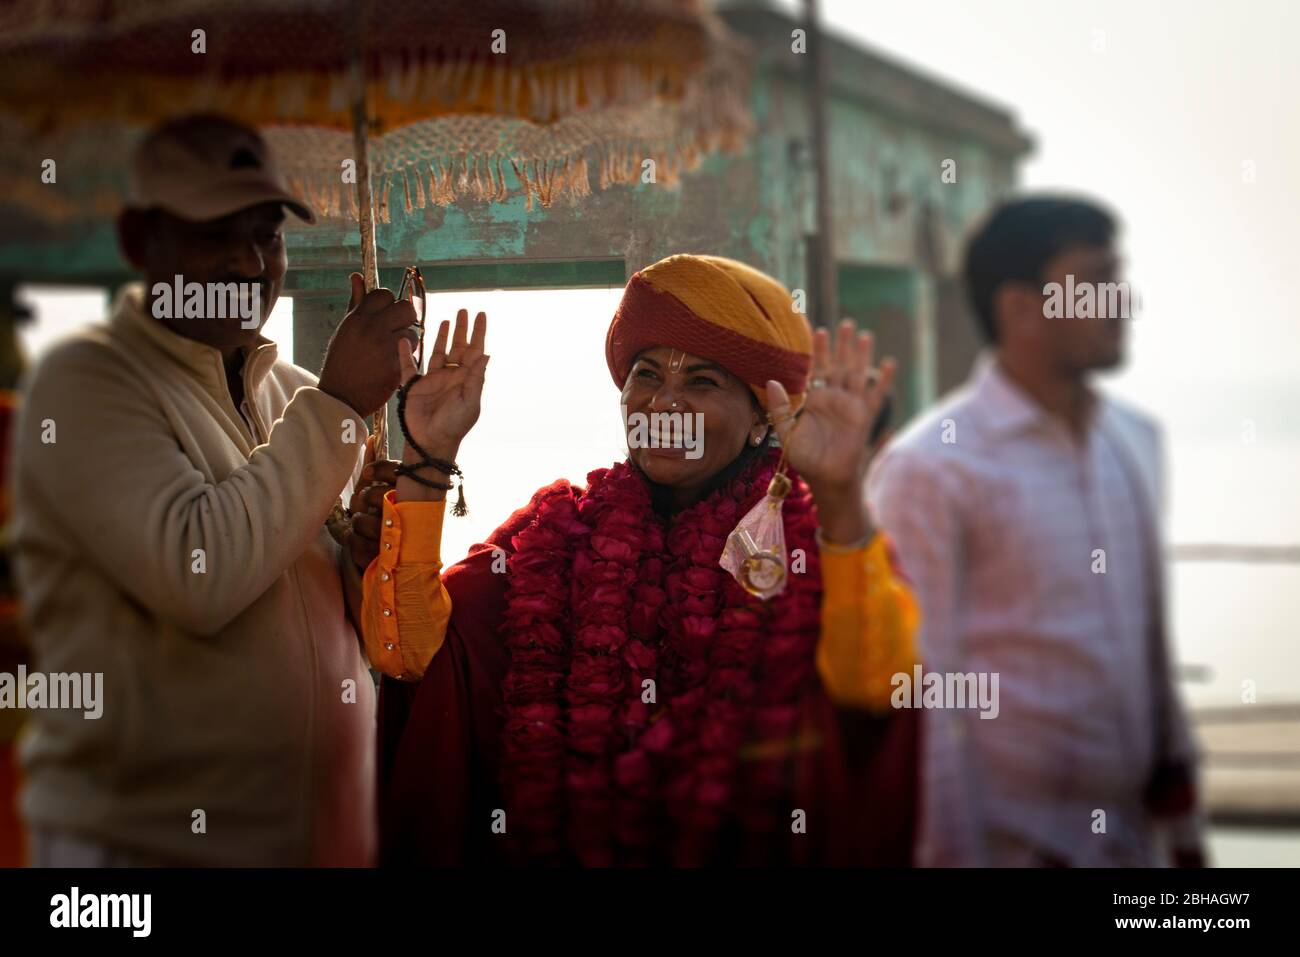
[[369, 104]]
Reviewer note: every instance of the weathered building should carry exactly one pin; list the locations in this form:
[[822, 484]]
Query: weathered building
[[898, 220]]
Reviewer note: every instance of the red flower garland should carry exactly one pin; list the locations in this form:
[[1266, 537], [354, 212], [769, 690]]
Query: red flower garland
[[601, 602]]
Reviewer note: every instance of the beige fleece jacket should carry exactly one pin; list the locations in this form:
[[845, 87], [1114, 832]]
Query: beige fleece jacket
[[233, 684]]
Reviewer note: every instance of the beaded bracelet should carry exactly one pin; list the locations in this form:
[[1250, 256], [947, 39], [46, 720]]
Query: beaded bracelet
[[451, 469], [408, 471]]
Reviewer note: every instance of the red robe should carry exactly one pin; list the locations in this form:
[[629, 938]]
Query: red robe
[[439, 749]]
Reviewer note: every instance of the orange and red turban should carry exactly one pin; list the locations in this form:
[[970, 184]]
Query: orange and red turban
[[719, 309]]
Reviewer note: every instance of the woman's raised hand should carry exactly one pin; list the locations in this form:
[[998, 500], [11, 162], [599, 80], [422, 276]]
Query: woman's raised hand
[[829, 443], [443, 405]]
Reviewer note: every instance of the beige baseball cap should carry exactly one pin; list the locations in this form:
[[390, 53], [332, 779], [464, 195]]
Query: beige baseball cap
[[204, 167]]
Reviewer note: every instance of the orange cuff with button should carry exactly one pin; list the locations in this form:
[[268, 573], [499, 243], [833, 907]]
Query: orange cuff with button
[[404, 608]]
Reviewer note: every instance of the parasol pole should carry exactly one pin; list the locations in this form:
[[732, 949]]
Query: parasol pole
[[365, 198], [338, 522]]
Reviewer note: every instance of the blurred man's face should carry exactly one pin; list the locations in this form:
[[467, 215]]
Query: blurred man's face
[[1075, 342], [244, 247]]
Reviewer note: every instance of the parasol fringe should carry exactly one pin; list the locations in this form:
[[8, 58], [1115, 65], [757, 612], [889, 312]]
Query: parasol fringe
[[444, 76], [474, 81], [498, 88], [547, 168], [428, 83], [459, 69], [481, 175], [447, 188], [383, 201], [435, 181], [503, 189], [534, 91], [516, 89], [449, 182], [713, 115], [521, 175]]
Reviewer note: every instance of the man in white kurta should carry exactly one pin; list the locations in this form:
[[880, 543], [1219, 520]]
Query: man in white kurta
[[1025, 508]]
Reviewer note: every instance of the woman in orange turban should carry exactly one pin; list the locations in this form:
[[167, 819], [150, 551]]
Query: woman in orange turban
[[607, 680]]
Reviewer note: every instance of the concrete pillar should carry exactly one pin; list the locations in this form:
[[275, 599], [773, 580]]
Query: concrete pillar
[[315, 317]]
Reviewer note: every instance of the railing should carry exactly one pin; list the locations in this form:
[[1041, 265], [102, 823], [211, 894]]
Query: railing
[[1262, 740], [1251, 764], [1237, 554]]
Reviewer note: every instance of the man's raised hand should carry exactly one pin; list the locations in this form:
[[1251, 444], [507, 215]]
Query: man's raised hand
[[362, 367]]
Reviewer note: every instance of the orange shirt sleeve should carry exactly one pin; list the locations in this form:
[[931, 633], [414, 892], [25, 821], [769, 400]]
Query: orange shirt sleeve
[[405, 608], [869, 622]]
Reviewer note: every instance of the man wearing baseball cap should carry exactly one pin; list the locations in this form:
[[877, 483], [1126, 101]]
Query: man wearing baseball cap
[[173, 477]]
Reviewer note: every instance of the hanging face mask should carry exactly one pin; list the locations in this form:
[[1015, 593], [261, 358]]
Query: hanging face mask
[[755, 551]]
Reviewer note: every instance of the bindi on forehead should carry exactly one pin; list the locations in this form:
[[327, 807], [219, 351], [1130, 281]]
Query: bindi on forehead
[[675, 360]]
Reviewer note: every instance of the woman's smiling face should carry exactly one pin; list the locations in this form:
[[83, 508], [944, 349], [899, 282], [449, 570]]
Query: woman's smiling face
[[712, 415]]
